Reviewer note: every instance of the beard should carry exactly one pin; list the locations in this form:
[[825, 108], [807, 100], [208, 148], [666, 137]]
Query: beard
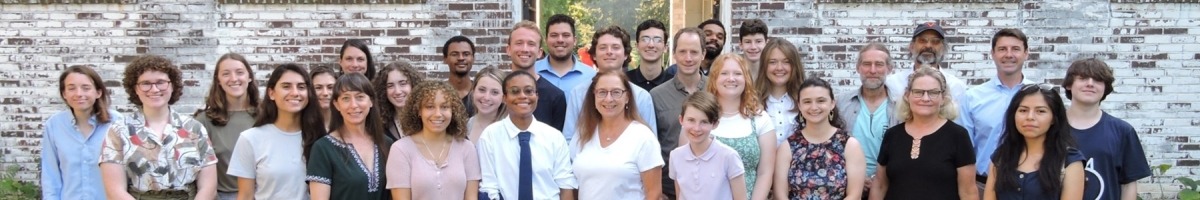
[[872, 83], [929, 56], [710, 54], [457, 72]]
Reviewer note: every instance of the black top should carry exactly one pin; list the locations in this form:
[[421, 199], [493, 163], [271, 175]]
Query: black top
[[638, 79], [466, 100], [1028, 185], [933, 174], [551, 106]]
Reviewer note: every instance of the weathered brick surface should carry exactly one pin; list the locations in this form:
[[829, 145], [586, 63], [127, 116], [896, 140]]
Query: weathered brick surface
[[38, 40], [1152, 47]]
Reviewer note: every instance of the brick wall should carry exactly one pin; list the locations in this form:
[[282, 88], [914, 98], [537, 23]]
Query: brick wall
[[37, 41], [1152, 47]]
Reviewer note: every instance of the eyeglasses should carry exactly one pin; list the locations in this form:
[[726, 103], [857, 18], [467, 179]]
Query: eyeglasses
[[607, 93], [648, 39], [1040, 86], [146, 86], [530, 91], [925, 93]]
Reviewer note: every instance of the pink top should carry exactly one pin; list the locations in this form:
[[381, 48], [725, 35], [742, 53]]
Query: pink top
[[408, 168], [706, 175]]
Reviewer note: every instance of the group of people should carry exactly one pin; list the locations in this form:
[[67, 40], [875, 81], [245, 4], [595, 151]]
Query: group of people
[[713, 125]]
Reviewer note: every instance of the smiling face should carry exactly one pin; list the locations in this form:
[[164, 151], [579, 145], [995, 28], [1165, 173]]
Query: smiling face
[[610, 93], [233, 77], [154, 89], [1086, 90], [925, 96], [460, 57], [1009, 54], [398, 88], [696, 126], [354, 107], [689, 54], [731, 79], [80, 92], [436, 113], [353, 60], [927, 48], [323, 85], [815, 105], [290, 93], [1033, 116], [610, 53], [651, 44], [752, 45], [779, 68], [560, 39], [714, 35], [520, 96], [523, 48], [487, 95]]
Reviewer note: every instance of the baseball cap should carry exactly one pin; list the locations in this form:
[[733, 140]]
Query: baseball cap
[[921, 28]]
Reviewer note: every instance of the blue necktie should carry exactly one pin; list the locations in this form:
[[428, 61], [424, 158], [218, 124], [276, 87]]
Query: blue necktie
[[525, 190]]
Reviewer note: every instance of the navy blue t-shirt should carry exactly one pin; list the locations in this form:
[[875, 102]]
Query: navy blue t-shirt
[[1030, 187], [1114, 157]]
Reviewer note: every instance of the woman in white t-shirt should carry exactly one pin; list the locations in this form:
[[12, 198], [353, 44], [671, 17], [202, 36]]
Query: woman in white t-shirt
[[745, 126], [268, 159], [616, 154]]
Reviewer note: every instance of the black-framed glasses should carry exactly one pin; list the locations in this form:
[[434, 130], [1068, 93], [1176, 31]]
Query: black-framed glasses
[[146, 85], [530, 91]]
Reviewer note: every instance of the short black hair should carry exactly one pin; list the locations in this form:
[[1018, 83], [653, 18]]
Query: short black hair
[[560, 18], [753, 26], [711, 21], [456, 39], [651, 23]]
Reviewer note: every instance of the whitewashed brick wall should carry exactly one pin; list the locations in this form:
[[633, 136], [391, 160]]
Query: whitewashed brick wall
[[1153, 48]]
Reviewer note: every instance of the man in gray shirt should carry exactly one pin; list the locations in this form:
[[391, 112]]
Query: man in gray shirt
[[689, 55]]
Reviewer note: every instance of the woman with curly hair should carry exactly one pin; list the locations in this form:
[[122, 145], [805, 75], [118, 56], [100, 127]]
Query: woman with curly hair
[[157, 152], [434, 160], [393, 86]]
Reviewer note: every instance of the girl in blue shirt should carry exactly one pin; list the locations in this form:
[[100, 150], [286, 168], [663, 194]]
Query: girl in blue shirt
[[73, 138]]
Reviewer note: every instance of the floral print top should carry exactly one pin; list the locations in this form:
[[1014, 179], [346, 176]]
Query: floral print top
[[818, 170], [167, 161]]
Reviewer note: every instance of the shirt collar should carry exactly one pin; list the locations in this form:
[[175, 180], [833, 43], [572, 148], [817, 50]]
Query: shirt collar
[[781, 99], [680, 86], [544, 65], [708, 153], [512, 128], [998, 84]]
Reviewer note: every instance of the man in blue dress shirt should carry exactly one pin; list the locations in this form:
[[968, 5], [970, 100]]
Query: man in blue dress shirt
[[562, 68], [983, 106]]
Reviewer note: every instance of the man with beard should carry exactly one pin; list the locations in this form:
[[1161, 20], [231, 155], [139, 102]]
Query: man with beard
[[753, 38], [927, 49], [867, 110], [459, 55], [610, 51], [562, 68], [651, 41], [523, 49], [689, 53], [982, 104], [714, 43]]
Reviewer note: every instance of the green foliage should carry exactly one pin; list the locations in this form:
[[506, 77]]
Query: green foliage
[[12, 188], [1191, 188], [591, 15]]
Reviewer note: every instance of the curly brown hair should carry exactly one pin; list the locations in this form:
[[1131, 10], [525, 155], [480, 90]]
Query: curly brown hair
[[424, 92], [148, 63]]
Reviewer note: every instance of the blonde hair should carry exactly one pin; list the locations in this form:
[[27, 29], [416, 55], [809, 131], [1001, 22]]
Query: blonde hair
[[948, 110], [524, 24], [750, 104]]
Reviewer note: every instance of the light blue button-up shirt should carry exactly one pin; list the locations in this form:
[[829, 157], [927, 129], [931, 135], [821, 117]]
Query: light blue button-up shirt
[[982, 114], [645, 106], [69, 169], [578, 74]]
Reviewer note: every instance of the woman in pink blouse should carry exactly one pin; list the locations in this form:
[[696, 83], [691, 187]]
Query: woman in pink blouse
[[434, 160]]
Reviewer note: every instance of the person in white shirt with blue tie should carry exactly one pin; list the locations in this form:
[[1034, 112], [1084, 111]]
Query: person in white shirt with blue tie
[[510, 150]]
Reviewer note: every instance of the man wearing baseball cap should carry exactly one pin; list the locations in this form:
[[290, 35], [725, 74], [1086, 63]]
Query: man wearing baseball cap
[[927, 49]]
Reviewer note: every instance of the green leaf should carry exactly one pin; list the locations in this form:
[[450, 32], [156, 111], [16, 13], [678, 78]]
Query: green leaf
[[1189, 195], [1192, 184], [1162, 169]]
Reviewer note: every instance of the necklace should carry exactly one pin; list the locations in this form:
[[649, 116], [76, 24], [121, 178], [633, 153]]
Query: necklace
[[436, 157]]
